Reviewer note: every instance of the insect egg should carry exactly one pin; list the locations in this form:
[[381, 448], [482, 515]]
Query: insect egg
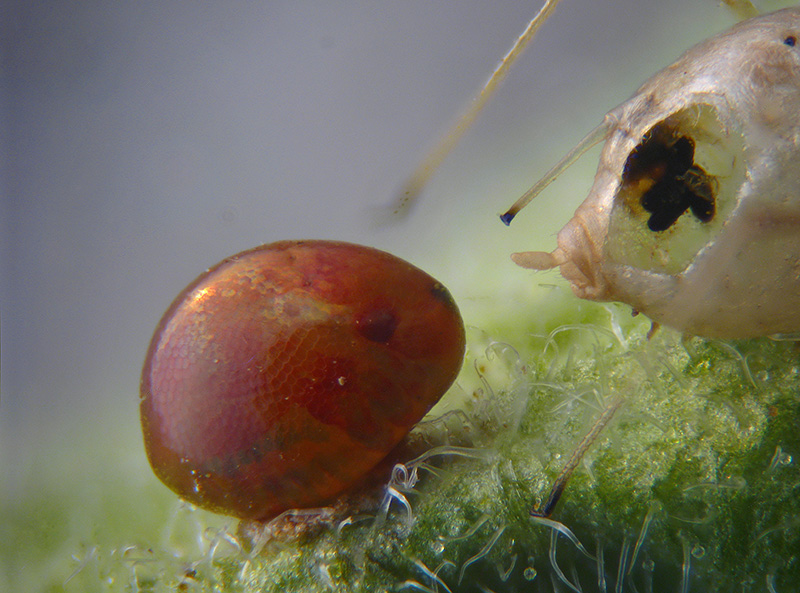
[[694, 212], [284, 374]]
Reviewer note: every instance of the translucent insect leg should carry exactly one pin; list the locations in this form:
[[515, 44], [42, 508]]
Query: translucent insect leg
[[430, 164]]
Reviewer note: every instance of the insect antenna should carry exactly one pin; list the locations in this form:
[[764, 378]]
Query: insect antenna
[[591, 139], [546, 509], [430, 164], [742, 9]]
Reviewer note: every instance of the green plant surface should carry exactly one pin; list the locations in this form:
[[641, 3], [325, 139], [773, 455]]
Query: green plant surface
[[692, 486]]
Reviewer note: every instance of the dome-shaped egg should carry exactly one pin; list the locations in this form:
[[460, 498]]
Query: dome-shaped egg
[[282, 375]]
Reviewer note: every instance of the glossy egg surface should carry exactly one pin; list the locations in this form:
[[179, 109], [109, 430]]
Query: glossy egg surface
[[282, 375]]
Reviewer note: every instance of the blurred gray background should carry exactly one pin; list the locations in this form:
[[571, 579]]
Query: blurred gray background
[[144, 141]]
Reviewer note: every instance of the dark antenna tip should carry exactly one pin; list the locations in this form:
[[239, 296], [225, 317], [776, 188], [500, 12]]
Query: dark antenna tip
[[507, 217]]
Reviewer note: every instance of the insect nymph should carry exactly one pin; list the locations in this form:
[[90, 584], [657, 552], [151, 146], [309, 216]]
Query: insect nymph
[[694, 213]]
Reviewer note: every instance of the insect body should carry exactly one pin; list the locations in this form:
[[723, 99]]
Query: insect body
[[694, 214], [282, 375]]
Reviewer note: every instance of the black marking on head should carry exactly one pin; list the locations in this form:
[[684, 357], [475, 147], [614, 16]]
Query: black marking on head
[[663, 167]]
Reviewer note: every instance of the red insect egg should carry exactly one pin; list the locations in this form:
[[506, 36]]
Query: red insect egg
[[283, 375]]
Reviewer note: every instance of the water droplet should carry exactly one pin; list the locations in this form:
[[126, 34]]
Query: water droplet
[[529, 573]]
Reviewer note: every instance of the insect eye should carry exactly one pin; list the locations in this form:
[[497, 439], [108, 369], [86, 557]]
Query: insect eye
[[790, 40]]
